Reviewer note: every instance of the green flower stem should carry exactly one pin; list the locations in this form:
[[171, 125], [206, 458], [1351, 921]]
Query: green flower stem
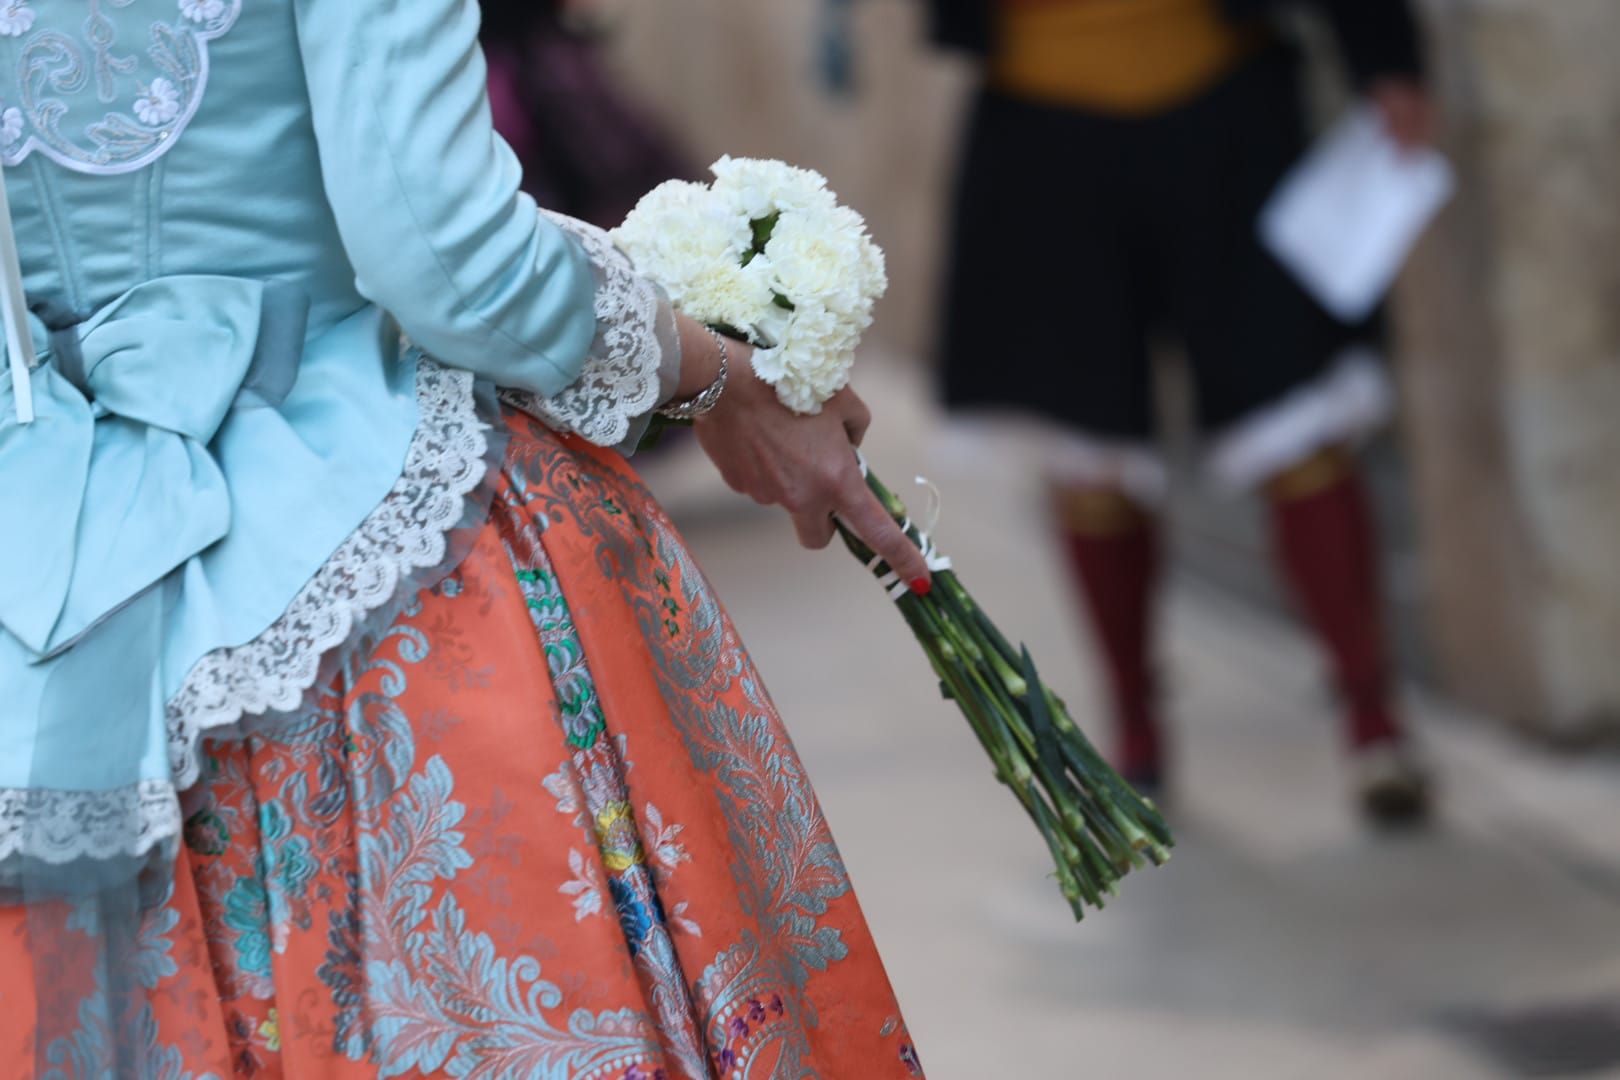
[[1079, 809], [1079, 833], [1011, 764], [1083, 820], [951, 676], [1096, 828], [1076, 832], [1084, 759], [973, 696], [996, 705], [1080, 886], [955, 599], [1123, 795], [1076, 807], [1135, 816]]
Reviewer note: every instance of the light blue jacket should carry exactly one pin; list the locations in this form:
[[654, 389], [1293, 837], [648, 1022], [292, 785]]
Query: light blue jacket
[[227, 211]]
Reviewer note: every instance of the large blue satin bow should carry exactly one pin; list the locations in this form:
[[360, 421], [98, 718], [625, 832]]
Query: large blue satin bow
[[112, 485]]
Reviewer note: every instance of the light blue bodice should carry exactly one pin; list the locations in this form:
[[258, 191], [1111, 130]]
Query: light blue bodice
[[226, 213]]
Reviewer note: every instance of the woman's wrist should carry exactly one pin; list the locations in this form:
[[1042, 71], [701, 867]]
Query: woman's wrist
[[704, 401], [711, 365], [700, 359]]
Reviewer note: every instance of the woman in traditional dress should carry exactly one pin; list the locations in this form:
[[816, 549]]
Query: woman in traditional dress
[[363, 715]]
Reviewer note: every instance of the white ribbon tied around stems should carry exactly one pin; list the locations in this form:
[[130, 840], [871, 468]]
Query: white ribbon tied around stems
[[931, 555]]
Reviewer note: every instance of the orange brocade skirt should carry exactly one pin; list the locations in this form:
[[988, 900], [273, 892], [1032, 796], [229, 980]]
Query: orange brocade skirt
[[547, 825]]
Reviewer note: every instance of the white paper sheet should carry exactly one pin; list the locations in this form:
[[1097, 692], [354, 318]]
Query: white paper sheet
[[1345, 218]]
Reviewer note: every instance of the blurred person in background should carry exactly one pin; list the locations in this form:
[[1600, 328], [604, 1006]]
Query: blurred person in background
[[1115, 162], [588, 150]]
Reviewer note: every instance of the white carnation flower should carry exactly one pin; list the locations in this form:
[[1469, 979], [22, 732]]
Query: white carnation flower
[[798, 396], [692, 240], [817, 261], [825, 258], [869, 269], [683, 216], [874, 269], [665, 203], [678, 233], [771, 328], [771, 364], [757, 189], [805, 389], [817, 328], [812, 361], [723, 293]]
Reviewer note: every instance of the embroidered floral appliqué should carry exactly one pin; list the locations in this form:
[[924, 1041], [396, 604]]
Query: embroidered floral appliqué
[[202, 10], [159, 104], [108, 91], [16, 18]]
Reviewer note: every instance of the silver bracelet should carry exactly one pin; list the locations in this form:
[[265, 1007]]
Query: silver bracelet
[[694, 407]]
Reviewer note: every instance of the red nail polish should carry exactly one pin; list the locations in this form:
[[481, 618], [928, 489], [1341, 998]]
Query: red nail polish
[[922, 586]]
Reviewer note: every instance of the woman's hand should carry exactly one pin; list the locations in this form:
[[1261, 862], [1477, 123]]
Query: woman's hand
[[1408, 111], [805, 464]]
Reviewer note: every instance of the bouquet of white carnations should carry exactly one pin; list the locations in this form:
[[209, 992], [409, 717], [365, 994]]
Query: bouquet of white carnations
[[766, 254]]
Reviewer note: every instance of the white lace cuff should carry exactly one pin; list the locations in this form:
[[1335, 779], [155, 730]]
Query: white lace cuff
[[634, 363]]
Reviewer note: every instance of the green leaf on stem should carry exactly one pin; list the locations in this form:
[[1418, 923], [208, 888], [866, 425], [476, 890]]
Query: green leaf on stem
[[763, 228]]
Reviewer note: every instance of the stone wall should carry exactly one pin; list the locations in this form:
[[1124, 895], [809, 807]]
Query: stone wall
[[1511, 317]]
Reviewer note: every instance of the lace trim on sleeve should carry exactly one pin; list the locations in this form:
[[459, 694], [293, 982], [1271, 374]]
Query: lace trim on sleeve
[[634, 361]]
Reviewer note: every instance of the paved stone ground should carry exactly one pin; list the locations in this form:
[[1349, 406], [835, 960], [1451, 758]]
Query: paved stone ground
[[1282, 941]]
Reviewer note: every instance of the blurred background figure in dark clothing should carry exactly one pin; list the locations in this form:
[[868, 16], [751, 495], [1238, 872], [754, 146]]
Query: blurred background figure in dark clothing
[[1283, 940], [1117, 157], [587, 148]]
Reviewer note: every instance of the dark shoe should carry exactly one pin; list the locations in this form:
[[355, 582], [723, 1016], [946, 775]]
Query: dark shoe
[[1391, 784]]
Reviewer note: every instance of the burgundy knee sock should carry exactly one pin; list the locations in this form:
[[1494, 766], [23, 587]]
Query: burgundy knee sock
[[1325, 546], [1117, 571]]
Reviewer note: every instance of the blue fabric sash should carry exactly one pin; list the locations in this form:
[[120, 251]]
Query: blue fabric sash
[[126, 405]]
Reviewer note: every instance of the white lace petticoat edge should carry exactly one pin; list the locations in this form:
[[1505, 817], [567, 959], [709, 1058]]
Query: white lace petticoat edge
[[407, 532]]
